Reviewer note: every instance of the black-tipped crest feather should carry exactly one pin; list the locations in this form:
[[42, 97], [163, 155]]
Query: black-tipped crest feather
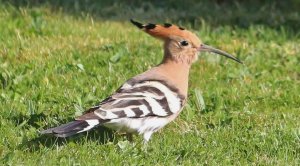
[[139, 25], [167, 25], [150, 26]]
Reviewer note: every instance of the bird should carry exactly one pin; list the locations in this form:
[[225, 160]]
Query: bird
[[149, 101]]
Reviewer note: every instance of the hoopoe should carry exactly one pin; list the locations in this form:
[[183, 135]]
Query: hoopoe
[[149, 101]]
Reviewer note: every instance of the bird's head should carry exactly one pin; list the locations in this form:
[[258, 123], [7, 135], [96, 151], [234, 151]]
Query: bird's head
[[179, 44]]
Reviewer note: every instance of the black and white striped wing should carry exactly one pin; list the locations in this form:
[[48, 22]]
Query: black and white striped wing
[[146, 98]]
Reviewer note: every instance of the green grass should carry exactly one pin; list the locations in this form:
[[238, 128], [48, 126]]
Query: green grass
[[55, 63]]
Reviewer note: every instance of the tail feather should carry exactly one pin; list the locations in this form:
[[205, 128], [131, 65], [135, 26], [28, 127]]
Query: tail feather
[[72, 128]]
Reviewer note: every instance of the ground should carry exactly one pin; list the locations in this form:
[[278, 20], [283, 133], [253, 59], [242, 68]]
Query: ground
[[56, 60]]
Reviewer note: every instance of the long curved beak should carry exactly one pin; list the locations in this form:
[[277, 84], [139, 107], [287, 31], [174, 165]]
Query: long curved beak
[[207, 48]]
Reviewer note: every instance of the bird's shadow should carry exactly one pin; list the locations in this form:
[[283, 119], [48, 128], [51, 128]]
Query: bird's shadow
[[101, 135]]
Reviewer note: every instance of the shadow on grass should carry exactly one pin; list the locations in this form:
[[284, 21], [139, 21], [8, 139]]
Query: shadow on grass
[[100, 135], [239, 13]]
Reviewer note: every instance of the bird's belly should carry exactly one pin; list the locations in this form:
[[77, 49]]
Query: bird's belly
[[138, 125]]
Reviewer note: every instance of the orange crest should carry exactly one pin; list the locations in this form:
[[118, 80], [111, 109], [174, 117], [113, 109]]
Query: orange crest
[[167, 31]]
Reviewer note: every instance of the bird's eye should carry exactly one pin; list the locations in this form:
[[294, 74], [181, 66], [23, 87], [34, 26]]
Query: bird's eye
[[184, 43]]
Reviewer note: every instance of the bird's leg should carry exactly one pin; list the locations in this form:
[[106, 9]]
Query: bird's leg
[[129, 137], [147, 137]]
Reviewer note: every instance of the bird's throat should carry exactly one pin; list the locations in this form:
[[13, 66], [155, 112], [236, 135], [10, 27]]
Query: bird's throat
[[177, 72]]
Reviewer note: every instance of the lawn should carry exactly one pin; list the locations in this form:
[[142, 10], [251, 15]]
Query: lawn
[[58, 59]]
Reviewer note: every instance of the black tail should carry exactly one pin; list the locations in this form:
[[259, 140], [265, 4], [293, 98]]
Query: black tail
[[72, 128]]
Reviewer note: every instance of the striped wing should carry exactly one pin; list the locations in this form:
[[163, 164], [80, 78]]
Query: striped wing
[[135, 100]]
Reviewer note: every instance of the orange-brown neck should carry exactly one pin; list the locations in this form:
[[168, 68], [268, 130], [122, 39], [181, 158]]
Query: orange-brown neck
[[177, 72]]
